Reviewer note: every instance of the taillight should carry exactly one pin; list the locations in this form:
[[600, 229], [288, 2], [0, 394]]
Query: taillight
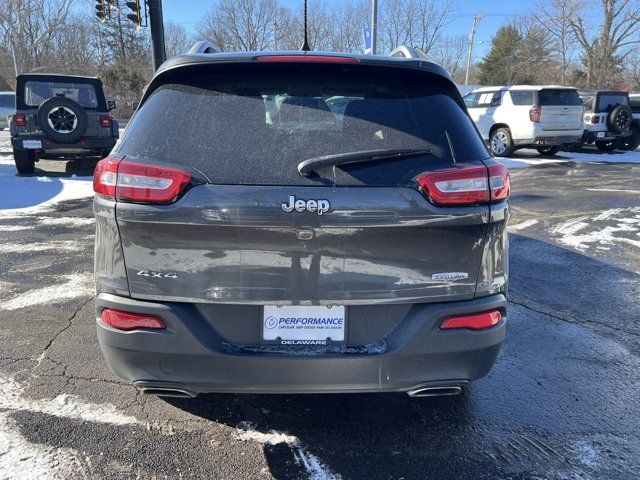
[[129, 181], [535, 113], [499, 182], [307, 58], [466, 186], [473, 321], [105, 121], [595, 119], [131, 321], [105, 176], [20, 120]]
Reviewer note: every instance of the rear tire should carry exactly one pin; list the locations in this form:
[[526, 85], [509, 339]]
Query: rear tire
[[25, 161], [548, 150], [633, 142], [501, 143], [607, 146]]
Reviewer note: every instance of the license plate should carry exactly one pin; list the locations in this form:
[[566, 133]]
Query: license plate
[[601, 134], [31, 144], [302, 325]]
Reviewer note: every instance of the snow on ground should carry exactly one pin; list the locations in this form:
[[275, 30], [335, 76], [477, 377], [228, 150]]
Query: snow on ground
[[37, 194], [312, 464], [72, 286], [527, 158], [21, 459], [611, 227]]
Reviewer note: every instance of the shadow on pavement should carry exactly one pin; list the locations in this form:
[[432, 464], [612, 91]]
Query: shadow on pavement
[[556, 405]]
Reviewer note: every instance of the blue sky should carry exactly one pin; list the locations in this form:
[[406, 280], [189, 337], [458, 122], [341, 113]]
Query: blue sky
[[497, 13]]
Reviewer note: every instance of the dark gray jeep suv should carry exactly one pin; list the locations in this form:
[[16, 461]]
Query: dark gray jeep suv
[[60, 116], [300, 222]]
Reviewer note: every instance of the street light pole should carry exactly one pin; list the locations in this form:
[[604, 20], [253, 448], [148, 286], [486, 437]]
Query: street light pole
[[374, 25], [476, 21]]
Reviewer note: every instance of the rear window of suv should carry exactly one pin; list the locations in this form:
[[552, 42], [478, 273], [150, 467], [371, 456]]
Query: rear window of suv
[[559, 98], [37, 92], [255, 128], [608, 101]]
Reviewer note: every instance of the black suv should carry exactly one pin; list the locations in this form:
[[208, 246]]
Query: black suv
[[59, 116], [301, 222]]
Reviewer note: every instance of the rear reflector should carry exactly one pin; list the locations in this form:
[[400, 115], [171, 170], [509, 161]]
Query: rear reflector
[[307, 58], [474, 321], [131, 321], [105, 121], [466, 186], [123, 180], [20, 120]]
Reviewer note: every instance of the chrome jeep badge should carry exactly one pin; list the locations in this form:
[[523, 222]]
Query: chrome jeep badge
[[313, 206], [450, 276]]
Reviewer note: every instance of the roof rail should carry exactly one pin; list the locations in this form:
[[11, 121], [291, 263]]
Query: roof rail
[[409, 52], [203, 46]]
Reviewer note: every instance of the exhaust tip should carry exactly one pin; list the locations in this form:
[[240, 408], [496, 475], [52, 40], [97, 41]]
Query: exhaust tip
[[435, 391], [168, 392]]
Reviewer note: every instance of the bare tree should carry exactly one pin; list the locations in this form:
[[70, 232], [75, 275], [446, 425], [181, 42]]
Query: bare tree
[[415, 23], [555, 17], [450, 53], [176, 39], [241, 24], [29, 26], [605, 48]]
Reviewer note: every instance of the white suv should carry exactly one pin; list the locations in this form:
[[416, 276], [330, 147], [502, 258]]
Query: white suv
[[542, 117]]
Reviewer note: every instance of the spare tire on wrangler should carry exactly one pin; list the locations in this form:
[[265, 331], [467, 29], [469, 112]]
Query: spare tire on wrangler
[[620, 119], [62, 120]]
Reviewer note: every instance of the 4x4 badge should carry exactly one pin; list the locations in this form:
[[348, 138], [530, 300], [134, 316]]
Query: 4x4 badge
[[317, 206]]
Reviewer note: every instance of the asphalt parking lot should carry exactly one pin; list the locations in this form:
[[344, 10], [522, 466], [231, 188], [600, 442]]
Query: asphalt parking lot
[[563, 400]]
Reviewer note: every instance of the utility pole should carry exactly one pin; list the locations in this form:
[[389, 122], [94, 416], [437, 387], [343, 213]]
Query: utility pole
[[16, 58], [275, 36], [157, 33], [476, 21], [374, 25]]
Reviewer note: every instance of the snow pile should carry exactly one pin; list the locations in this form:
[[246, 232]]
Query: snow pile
[[529, 158]]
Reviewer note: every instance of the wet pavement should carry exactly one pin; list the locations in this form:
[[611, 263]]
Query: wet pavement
[[562, 401]]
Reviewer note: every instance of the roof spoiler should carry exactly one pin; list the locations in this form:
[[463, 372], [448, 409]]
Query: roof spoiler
[[203, 46], [409, 52]]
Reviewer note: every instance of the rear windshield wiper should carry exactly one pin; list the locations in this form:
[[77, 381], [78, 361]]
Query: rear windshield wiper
[[310, 165]]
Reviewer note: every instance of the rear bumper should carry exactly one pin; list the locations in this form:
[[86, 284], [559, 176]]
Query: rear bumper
[[591, 136], [191, 356], [84, 145], [547, 140]]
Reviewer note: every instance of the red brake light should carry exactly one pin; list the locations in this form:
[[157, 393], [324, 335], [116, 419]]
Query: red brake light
[[595, 119], [466, 186], [105, 176], [535, 113], [474, 321], [139, 183], [131, 321], [105, 121], [307, 58], [463, 186], [20, 120]]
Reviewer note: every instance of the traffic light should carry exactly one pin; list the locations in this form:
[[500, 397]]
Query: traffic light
[[136, 14], [102, 11]]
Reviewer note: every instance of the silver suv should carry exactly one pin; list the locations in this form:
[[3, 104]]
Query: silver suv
[[300, 222]]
